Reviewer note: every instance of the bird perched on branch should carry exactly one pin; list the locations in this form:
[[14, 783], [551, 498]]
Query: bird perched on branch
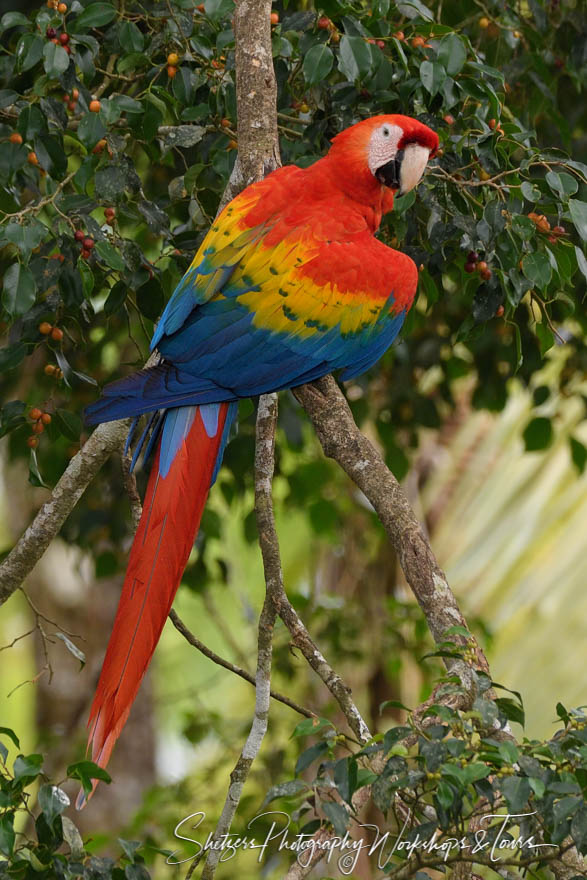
[[289, 284]]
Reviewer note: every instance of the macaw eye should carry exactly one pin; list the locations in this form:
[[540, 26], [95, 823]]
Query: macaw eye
[[385, 132]]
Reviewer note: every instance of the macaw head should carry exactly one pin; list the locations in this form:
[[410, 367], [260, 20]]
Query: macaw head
[[390, 149]]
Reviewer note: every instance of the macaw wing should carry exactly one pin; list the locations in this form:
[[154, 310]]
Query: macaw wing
[[294, 304], [273, 299]]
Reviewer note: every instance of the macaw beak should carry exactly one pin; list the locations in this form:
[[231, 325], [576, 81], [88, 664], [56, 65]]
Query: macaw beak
[[390, 173], [405, 171]]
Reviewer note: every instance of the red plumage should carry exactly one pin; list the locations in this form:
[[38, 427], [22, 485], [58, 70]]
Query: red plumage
[[169, 522]]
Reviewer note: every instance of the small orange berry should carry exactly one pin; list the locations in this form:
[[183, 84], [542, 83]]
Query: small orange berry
[[492, 123], [225, 123], [335, 37], [62, 8], [46, 418], [109, 213], [32, 442], [274, 18], [171, 70], [32, 158], [324, 23], [15, 138], [75, 94], [200, 7], [173, 59], [71, 106], [232, 145], [449, 119], [38, 428], [399, 35], [486, 275], [85, 253], [417, 42], [88, 243], [67, 49], [45, 328], [35, 414], [99, 146], [484, 22], [500, 312], [482, 267], [56, 334], [304, 108], [49, 369], [94, 106], [64, 39]]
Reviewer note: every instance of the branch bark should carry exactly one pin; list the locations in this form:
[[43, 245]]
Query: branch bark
[[78, 474], [341, 440]]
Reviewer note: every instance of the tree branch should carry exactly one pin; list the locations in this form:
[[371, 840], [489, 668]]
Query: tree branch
[[195, 642], [343, 441], [78, 474]]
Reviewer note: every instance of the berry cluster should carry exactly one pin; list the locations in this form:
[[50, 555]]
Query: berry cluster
[[52, 370], [86, 243], [39, 419], [58, 6], [71, 100], [542, 224], [474, 264], [172, 62], [47, 329], [59, 39]]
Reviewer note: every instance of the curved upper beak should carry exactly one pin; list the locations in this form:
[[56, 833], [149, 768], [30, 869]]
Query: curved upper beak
[[405, 171]]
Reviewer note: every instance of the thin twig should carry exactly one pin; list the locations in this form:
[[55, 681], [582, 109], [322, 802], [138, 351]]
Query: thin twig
[[226, 664]]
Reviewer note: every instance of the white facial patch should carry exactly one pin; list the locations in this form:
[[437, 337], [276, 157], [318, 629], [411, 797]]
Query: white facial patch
[[383, 145], [412, 166]]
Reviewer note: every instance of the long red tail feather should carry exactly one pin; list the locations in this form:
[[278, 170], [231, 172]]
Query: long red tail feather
[[171, 516]]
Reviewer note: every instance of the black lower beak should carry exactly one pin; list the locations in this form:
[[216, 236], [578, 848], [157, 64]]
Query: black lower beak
[[389, 174]]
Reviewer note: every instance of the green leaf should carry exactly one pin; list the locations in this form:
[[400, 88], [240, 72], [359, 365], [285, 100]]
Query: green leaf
[[27, 766], [317, 64], [578, 211], [452, 54], [415, 9], [516, 790], [130, 37], [68, 423], [538, 434], [150, 299], [578, 454], [56, 60], [563, 185], [312, 726], [537, 269], [7, 835], [94, 15], [29, 51], [85, 771], [337, 815], [13, 19], [35, 476], [432, 76], [530, 192], [91, 129], [581, 260], [7, 731], [355, 58], [286, 789], [109, 255], [19, 290], [116, 298], [52, 801], [216, 10], [309, 756]]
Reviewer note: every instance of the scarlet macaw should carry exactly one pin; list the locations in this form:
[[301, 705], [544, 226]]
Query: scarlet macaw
[[289, 284]]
